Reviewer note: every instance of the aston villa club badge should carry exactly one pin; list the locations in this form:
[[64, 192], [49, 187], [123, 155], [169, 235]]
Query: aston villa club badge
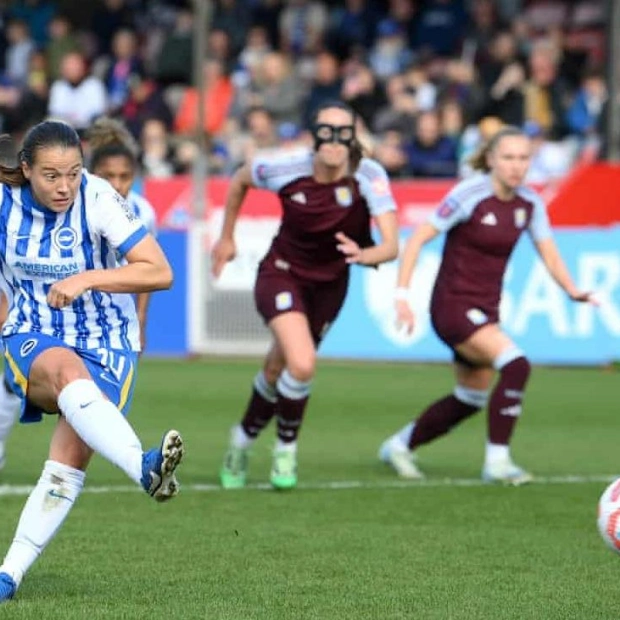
[[520, 217], [344, 197]]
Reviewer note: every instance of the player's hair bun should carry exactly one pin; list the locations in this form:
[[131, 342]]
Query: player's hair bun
[[108, 132]]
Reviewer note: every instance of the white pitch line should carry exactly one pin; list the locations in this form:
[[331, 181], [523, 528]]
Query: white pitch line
[[337, 485]]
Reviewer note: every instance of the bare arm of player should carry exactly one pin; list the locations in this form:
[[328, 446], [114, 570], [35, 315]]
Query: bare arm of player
[[4, 308], [550, 256], [423, 234], [224, 249], [385, 251], [147, 270]]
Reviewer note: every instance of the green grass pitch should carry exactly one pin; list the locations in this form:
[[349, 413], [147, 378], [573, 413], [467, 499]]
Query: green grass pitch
[[363, 549]]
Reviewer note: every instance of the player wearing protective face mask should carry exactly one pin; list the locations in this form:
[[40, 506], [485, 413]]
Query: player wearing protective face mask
[[328, 197]]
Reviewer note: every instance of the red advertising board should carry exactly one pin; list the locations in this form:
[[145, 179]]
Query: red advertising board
[[589, 197]]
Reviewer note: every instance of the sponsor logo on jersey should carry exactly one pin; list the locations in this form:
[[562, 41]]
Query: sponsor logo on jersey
[[489, 219], [344, 197], [284, 300], [299, 197], [28, 346], [447, 208], [520, 217], [282, 264], [65, 238], [476, 316], [53, 271]]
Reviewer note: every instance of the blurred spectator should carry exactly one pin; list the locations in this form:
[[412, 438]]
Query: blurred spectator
[[76, 97], [325, 85], [545, 93], [399, 114], [389, 54], [62, 41], [174, 61], [274, 87], [390, 153], [259, 132], [255, 50], [145, 101], [37, 14], [502, 53], [218, 95], [266, 13], [109, 17], [481, 31], [459, 83], [219, 48], [406, 13], [289, 135], [362, 92], [431, 154], [20, 48], [419, 84], [124, 64], [452, 119], [232, 17], [505, 98], [352, 26], [302, 27], [441, 27], [550, 161], [584, 113], [156, 152]]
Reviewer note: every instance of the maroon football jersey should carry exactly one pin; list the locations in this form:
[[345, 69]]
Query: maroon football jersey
[[482, 231], [314, 212]]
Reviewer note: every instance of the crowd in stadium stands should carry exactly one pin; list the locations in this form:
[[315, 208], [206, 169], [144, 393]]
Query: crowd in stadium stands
[[427, 78]]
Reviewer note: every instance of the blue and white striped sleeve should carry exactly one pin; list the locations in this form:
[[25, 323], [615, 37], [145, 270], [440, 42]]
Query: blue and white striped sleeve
[[117, 222]]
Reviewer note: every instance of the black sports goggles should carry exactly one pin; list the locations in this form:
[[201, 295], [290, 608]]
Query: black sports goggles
[[324, 133]]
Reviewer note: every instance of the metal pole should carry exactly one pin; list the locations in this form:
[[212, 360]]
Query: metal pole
[[612, 121], [202, 16]]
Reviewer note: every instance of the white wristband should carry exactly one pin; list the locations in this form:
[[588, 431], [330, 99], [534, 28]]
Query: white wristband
[[401, 293]]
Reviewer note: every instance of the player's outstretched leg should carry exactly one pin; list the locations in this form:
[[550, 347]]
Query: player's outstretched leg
[[505, 408], [159, 465]]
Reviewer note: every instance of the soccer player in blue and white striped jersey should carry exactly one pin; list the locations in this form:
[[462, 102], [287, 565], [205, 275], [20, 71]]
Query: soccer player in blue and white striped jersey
[[114, 157], [71, 338]]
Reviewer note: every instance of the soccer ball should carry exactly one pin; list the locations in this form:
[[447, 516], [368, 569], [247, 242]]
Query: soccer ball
[[609, 516]]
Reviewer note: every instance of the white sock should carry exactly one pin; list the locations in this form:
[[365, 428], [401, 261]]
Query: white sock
[[240, 439], [10, 406], [404, 435], [286, 446], [496, 452], [45, 511], [101, 426]]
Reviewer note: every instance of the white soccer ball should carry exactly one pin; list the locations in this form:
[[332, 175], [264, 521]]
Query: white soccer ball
[[609, 516]]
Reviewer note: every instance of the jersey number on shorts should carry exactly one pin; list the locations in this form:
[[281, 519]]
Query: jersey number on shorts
[[114, 362]]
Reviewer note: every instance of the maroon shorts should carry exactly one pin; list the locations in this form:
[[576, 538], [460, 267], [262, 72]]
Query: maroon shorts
[[455, 320], [278, 291]]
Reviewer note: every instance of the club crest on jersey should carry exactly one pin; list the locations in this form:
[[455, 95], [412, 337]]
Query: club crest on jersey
[[344, 197], [520, 217], [284, 300], [65, 238]]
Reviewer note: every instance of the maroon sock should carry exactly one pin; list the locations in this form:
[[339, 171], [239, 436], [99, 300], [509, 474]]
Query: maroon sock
[[290, 416], [258, 414], [505, 402], [439, 418]]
